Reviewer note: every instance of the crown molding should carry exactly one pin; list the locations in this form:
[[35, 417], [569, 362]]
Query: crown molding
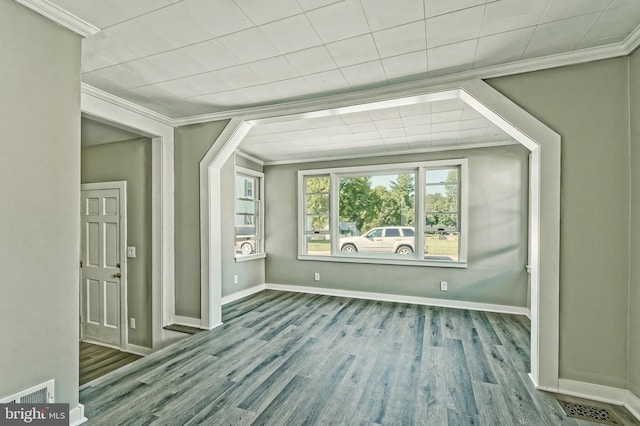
[[128, 105], [632, 41], [249, 157], [61, 17]]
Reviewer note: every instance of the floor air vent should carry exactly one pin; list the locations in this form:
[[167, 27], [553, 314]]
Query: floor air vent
[[588, 412], [40, 394]]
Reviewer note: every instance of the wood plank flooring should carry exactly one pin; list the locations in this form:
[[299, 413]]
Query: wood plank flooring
[[298, 359], [96, 361]]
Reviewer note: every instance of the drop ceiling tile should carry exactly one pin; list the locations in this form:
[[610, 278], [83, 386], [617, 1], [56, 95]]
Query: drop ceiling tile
[[440, 7], [139, 38], [470, 113], [446, 116], [239, 76], [362, 127], [445, 127], [384, 114], [104, 83], [218, 17], [563, 9], [291, 34], [327, 81], [233, 98], [363, 74], [311, 61], [111, 50], [456, 56], [415, 109], [212, 54], [209, 82], [416, 120], [508, 15], [176, 24], [381, 16], [308, 5], [418, 130], [150, 71], [410, 64], [559, 36], [477, 123], [392, 133], [180, 62], [502, 48], [402, 39], [614, 24], [388, 124], [277, 90], [274, 69], [262, 12], [92, 62], [249, 45], [454, 27], [339, 21], [355, 50], [117, 73], [181, 88], [368, 136]]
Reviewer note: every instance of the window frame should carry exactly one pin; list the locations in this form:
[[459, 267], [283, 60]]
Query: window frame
[[419, 170], [259, 235]]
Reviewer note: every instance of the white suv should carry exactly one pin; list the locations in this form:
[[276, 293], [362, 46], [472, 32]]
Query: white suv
[[388, 239]]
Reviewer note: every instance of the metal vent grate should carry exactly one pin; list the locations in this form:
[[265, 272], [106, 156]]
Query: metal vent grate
[[40, 394], [588, 412]]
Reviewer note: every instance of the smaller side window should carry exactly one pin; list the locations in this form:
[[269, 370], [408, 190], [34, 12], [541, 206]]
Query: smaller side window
[[249, 213], [392, 232], [408, 232]]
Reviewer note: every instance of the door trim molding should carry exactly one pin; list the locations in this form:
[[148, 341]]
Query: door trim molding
[[122, 187]]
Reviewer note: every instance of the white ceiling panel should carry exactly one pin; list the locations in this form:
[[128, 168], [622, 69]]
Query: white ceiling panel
[[559, 36], [380, 15], [339, 21], [312, 61], [397, 67], [279, 33], [502, 48], [508, 15], [307, 49], [327, 81], [454, 27], [262, 12], [402, 39], [249, 45], [355, 50]]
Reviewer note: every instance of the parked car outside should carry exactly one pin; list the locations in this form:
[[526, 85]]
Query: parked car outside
[[245, 240], [386, 239]]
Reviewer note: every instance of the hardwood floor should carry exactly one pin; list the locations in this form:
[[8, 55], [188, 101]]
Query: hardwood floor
[[96, 361], [291, 359]]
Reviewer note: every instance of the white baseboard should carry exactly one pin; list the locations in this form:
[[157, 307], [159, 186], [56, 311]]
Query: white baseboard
[[241, 294], [138, 350], [632, 403], [487, 307], [591, 391], [188, 321], [76, 415]]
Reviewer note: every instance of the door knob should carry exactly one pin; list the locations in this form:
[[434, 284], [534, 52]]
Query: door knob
[[117, 275]]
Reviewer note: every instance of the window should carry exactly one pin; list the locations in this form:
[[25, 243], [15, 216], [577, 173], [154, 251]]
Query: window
[[249, 213], [375, 213]]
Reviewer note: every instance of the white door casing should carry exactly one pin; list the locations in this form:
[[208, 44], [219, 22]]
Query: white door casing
[[103, 263]]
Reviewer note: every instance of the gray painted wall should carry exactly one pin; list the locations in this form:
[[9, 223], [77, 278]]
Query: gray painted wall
[[130, 161], [634, 283], [40, 193], [498, 197], [588, 106]]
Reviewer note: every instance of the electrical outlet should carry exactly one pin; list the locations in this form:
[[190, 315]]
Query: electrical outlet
[[235, 279], [133, 323], [316, 276], [444, 286]]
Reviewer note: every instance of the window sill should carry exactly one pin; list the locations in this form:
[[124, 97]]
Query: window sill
[[386, 261], [249, 257]]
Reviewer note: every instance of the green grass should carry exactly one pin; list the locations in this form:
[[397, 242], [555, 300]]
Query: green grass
[[435, 246], [319, 246]]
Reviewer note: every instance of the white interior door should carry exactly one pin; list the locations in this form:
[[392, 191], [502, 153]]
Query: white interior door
[[101, 265]]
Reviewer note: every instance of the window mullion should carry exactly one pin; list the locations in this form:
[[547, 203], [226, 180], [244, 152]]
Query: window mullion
[[334, 213], [420, 212]]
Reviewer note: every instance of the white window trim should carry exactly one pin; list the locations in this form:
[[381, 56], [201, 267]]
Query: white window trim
[[260, 252], [336, 172]]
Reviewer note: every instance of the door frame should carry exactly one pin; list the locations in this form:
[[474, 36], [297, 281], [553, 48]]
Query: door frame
[[122, 187]]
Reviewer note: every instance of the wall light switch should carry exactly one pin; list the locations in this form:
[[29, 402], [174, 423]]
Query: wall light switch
[[131, 252]]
